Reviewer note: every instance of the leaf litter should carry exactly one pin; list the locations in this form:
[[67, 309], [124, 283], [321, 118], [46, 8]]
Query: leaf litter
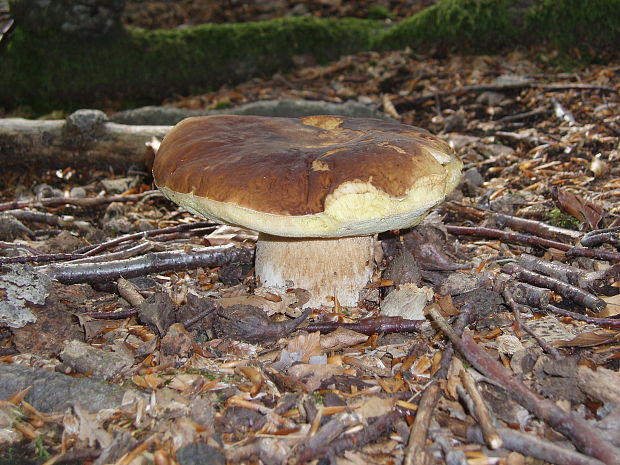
[[513, 283]]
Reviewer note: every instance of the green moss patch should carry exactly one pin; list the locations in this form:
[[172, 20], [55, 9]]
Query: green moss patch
[[481, 25], [46, 72], [591, 26], [140, 66]]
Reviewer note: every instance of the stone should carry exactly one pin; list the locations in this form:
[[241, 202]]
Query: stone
[[83, 18]]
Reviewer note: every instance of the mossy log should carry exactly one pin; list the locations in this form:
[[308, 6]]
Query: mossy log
[[84, 140], [44, 71], [138, 67]]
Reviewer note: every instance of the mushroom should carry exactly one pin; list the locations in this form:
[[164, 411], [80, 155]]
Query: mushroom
[[317, 189]]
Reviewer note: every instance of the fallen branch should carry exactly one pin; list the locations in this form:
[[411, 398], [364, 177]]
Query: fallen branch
[[584, 436], [481, 411], [84, 140], [530, 445], [585, 318], [95, 249], [537, 228], [317, 448], [516, 311], [155, 262], [368, 326], [568, 291], [415, 452], [527, 239], [79, 202]]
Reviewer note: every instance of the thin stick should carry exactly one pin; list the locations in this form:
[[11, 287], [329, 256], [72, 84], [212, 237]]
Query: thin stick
[[415, 452], [530, 445], [80, 202], [491, 438], [567, 291]]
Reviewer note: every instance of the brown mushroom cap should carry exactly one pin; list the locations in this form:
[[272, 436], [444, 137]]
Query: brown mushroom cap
[[317, 176]]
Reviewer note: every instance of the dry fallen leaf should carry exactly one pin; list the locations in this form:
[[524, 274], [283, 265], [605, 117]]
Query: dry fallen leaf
[[575, 205], [612, 308], [590, 339], [306, 345]]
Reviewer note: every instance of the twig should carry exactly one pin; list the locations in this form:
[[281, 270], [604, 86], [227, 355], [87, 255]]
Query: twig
[[80, 202], [318, 447], [537, 228], [41, 258], [155, 262], [129, 292], [584, 436], [94, 249], [507, 236], [516, 311], [368, 326], [50, 219], [452, 456], [561, 271], [567, 291], [409, 104], [533, 240], [602, 236], [127, 252], [532, 446], [461, 323], [120, 315], [580, 317], [481, 411], [574, 86], [522, 116], [415, 452]]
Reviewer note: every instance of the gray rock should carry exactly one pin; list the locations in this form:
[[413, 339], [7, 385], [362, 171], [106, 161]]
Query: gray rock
[[54, 392], [20, 285], [83, 358], [152, 115], [199, 453], [85, 18]]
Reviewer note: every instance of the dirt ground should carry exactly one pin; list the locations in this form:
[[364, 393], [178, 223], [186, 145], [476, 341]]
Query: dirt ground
[[134, 332]]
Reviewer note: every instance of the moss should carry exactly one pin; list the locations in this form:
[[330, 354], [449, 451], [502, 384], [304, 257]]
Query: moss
[[141, 67], [47, 72], [590, 26], [481, 25], [379, 12], [556, 218]]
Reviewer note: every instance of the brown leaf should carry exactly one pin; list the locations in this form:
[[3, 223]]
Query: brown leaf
[[306, 344], [612, 308], [591, 339], [576, 206], [342, 337], [311, 376]]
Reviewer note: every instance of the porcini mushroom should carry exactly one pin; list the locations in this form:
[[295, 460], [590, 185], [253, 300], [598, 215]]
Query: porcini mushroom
[[317, 189]]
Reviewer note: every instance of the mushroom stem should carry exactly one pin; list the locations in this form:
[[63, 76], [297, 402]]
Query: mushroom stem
[[338, 267]]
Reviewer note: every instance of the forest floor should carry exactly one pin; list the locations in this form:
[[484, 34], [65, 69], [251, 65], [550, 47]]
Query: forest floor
[[523, 259]]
